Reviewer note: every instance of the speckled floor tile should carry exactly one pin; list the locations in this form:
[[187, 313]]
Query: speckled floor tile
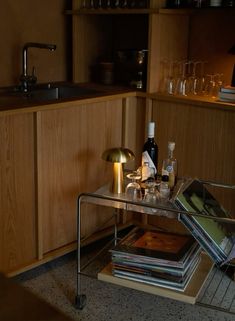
[[56, 283]]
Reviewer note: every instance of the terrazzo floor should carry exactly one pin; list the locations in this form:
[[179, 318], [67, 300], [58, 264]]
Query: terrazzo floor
[[55, 282]]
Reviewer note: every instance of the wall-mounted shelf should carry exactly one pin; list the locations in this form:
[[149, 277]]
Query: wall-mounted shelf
[[168, 11], [202, 101], [110, 11]]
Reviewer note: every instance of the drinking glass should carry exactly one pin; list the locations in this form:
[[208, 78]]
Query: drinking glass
[[183, 82], [122, 4], [85, 4], [170, 80], [151, 193], [200, 77], [133, 189], [213, 83], [114, 3]]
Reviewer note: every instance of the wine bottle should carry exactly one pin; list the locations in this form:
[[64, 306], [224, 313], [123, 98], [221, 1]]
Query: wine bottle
[[169, 165], [150, 149]]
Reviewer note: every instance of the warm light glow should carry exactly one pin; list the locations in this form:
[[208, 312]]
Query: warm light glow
[[117, 186], [117, 156]]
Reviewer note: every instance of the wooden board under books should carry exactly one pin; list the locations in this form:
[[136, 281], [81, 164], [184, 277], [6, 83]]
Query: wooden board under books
[[189, 295]]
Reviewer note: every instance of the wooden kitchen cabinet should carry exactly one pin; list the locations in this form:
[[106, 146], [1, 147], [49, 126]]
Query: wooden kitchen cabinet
[[48, 157], [70, 144], [18, 220]]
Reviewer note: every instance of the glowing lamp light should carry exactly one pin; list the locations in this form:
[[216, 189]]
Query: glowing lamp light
[[117, 156]]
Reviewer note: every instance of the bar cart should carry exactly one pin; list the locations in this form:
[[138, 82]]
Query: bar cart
[[204, 276]]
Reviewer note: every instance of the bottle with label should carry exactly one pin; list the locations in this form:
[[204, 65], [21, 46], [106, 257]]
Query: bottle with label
[[150, 149], [169, 165]]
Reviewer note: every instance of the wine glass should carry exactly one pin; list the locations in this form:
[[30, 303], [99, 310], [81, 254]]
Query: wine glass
[[151, 193], [212, 85], [133, 189], [199, 85], [170, 80], [183, 83]]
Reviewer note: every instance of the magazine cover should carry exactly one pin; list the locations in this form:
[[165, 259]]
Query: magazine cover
[[156, 271], [214, 236], [167, 268], [156, 245]]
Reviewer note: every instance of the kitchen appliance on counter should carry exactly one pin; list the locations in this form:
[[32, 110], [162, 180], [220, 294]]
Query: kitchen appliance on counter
[[131, 68]]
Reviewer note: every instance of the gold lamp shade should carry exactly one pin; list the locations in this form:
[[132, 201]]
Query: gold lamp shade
[[117, 156]]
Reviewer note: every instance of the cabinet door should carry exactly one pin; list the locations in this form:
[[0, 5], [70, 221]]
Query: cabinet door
[[17, 192], [70, 145]]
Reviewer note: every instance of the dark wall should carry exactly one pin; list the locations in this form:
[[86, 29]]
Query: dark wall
[[35, 21]]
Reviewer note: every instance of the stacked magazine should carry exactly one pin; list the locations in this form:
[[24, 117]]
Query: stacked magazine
[[216, 237], [227, 94], [156, 258]]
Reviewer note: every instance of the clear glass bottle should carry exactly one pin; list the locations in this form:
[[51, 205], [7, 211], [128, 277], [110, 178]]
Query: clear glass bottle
[[164, 188], [147, 172], [169, 165]]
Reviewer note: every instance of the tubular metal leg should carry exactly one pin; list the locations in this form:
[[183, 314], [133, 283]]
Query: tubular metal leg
[[80, 300], [115, 225]]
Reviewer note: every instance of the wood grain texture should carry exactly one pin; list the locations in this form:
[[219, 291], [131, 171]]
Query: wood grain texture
[[92, 38], [205, 145], [168, 40], [17, 192], [133, 128], [211, 36], [70, 144]]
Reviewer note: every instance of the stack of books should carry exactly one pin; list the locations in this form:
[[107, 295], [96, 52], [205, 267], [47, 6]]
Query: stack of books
[[156, 258], [227, 94], [216, 237]]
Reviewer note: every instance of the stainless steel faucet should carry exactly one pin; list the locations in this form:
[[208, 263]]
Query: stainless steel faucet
[[25, 79]]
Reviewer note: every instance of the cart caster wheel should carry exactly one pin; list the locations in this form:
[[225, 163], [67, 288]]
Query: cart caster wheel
[[80, 301]]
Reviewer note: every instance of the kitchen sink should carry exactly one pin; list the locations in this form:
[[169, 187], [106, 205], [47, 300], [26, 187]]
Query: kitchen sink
[[47, 92]]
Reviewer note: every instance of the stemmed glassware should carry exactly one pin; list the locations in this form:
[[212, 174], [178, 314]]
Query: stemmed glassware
[[213, 83], [183, 77], [183, 82], [133, 189], [199, 84], [151, 194], [170, 79]]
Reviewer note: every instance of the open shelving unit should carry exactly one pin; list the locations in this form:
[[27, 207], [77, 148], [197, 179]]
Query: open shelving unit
[[173, 34], [209, 287]]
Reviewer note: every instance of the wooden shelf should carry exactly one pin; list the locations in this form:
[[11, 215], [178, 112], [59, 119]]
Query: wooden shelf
[[189, 295], [110, 11], [167, 11], [195, 100]]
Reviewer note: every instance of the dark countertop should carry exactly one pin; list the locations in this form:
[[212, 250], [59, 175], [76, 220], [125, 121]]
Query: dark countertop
[[14, 101], [18, 304]]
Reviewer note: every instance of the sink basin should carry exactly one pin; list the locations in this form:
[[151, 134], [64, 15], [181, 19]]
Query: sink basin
[[48, 92]]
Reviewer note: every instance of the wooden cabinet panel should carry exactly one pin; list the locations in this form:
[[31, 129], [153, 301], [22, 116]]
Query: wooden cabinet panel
[[70, 144], [134, 125], [205, 145], [17, 192]]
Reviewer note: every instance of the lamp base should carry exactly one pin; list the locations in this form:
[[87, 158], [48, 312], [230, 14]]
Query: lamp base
[[117, 186]]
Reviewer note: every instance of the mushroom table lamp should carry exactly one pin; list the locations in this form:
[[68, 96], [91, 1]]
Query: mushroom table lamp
[[117, 156]]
